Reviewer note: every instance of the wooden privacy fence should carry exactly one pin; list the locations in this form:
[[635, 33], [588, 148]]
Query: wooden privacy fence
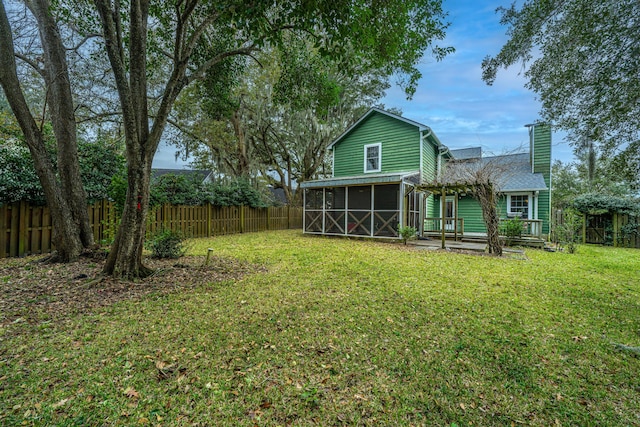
[[609, 228], [26, 229]]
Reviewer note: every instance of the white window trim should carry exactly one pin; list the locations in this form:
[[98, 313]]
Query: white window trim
[[530, 205], [379, 145]]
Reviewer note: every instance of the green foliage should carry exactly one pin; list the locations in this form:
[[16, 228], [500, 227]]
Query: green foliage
[[593, 203], [511, 228], [99, 162], [407, 233], [567, 233], [571, 180], [167, 244], [628, 232], [188, 190], [581, 63], [18, 179], [117, 190], [239, 192], [177, 189]]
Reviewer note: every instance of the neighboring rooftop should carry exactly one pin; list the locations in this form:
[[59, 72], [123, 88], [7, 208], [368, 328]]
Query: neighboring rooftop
[[467, 153]]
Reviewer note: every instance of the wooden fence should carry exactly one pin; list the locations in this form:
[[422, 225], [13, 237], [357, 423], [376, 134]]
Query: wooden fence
[[614, 229], [26, 229]]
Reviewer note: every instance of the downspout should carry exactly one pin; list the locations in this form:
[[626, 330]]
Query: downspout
[[422, 139]]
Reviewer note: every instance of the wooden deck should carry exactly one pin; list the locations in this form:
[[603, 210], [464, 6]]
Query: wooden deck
[[481, 238]]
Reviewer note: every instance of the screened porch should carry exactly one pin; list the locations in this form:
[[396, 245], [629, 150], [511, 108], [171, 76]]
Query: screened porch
[[366, 210]]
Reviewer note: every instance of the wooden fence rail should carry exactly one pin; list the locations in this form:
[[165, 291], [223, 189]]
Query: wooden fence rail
[[26, 229]]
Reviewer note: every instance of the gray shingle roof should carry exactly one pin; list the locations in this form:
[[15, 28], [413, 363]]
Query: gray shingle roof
[[467, 153], [514, 170]]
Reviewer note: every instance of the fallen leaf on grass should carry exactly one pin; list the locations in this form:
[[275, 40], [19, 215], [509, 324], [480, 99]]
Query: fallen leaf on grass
[[265, 405], [60, 403], [131, 393]]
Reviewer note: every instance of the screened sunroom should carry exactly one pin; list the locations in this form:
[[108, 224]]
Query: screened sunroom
[[371, 206]]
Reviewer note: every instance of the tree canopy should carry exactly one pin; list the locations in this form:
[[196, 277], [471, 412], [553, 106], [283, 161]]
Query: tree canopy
[[582, 58]]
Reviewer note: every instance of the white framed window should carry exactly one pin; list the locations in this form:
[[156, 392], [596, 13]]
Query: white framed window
[[519, 205], [373, 157]]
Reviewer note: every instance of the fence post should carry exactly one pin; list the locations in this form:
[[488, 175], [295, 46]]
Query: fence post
[[288, 217], [24, 232], [208, 219], [3, 231], [242, 219], [616, 228], [584, 228], [268, 216]]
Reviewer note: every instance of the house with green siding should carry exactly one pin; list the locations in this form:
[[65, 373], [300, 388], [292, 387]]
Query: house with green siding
[[379, 164]]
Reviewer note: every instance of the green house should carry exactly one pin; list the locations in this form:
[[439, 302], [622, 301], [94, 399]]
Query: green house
[[379, 164]]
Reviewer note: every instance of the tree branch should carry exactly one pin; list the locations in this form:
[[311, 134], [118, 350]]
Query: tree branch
[[200, 72], [33, 64]]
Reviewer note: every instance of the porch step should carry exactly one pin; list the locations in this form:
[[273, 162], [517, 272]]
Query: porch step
[[531, 242]]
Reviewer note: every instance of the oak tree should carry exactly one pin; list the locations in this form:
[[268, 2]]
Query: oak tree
[[177, 37], [582, 58], [63, 188]]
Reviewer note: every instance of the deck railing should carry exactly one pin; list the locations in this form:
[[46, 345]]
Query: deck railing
[[530, 227], [434, 225]]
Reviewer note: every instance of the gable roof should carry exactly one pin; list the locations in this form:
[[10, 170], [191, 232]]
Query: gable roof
[[373, 110], [517, 175]]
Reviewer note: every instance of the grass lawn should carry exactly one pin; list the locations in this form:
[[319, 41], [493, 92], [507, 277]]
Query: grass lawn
[[345, 332]]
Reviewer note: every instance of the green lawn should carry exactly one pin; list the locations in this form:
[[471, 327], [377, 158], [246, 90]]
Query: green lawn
[[347, 332]]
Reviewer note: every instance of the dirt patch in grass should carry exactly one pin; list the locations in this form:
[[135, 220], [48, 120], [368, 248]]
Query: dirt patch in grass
[[32, 291]]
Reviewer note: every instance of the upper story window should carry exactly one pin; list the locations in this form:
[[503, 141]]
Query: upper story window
[[519, 205], [373, 157]]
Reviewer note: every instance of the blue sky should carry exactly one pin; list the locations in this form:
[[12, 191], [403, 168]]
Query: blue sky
[[453, 100]]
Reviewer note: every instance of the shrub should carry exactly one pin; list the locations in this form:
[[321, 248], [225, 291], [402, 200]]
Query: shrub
[[407, 233], [511, 229], [568, 233], [167, 244]]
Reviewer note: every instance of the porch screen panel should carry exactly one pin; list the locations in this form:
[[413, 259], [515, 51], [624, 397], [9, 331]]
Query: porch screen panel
[[386, 197], [335, 198], [360, 198], [413, 205], [386, 212], [335, 212], [313, 198], [313, 210], [359, 211]]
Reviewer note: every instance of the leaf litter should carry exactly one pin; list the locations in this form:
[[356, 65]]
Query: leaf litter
[[33, 292]]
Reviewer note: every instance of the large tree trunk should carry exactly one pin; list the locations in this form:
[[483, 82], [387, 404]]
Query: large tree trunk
[[62, 117], [65, 231], [125, 257]]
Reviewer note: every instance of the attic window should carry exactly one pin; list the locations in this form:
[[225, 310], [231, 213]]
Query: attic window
[[372, 157]]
